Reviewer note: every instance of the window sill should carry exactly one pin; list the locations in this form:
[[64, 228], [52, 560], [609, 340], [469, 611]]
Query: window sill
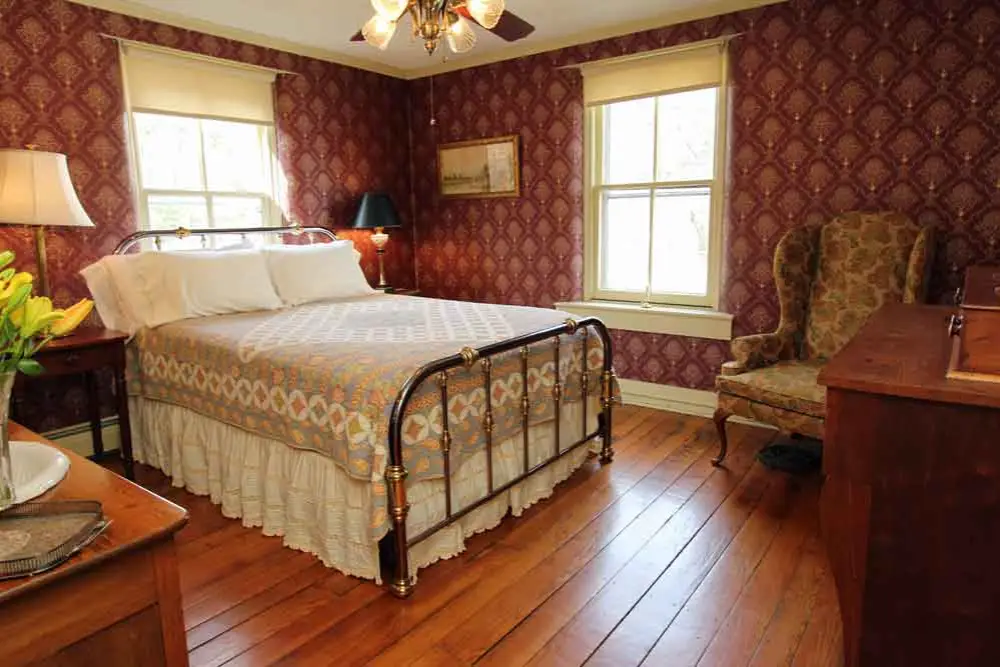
[[673, 320]]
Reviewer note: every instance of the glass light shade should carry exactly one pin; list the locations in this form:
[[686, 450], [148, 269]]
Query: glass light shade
[[390, 9], [379, 31], [486, 12], [35, 189], [461, 36]]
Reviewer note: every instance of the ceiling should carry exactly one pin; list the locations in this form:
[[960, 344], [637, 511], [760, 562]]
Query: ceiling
[[323, 28]]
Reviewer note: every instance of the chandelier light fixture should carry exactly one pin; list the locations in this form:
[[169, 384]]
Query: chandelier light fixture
[[434, 21]]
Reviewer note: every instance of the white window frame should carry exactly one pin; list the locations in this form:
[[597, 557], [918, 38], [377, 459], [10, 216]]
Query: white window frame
[[271, 207], [594, 187]]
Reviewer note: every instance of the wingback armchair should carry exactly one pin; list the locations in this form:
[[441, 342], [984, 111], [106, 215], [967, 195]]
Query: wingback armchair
[[829, 278]]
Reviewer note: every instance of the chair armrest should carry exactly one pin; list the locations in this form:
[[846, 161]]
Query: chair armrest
[[750, 352]]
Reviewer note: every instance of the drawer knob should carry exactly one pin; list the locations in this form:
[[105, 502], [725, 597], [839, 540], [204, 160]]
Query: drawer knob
[[955, 325]]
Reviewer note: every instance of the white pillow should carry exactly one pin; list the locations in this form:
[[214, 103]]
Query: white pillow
[[106, 299], [155, 288], [307, 273]]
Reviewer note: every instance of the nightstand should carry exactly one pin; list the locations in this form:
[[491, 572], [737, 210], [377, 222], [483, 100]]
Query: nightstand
[[82, 353]]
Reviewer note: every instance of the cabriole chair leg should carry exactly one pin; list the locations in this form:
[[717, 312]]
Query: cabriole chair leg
[[720, 418]]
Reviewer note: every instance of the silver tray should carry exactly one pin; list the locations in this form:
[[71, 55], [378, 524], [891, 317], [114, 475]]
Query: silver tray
[[36, 537]]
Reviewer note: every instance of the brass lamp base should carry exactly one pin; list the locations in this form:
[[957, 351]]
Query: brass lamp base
[[40, 260], [379, 239]]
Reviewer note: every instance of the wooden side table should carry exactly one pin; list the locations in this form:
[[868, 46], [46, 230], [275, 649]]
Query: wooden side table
[[84, 352], [118, 601]]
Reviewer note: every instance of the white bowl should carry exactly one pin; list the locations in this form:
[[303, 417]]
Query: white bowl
[[36, 468]]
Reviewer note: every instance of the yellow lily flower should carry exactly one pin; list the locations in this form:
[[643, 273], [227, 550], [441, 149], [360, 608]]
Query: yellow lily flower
[[19, 279], [37, 315], [72, 318], [6, 257]]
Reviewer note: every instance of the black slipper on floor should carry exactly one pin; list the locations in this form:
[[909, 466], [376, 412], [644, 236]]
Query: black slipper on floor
[[799, 457]]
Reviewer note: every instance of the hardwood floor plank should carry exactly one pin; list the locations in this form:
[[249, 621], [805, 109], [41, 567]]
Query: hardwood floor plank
[[736, 639], [282, 589], [822, 644], [532, 538], [485, 619], [270, 635], [235, 554], [774, 530], [791, 617], [227, 592], [601, 614]]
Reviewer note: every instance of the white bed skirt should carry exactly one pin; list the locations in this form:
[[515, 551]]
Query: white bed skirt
[[316, 507]]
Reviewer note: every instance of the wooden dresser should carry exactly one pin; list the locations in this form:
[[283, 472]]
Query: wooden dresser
[[116, 603], [910, 507]]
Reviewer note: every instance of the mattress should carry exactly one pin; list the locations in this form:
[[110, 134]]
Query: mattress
[[323, 377]]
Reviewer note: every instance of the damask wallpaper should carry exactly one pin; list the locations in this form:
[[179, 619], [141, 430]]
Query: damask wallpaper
[[341, 132], [837, 105]]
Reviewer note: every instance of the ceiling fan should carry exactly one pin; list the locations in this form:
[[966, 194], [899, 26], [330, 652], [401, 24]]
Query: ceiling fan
[[450, 20]]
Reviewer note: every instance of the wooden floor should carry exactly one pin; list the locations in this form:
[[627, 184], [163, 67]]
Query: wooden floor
[[657, 559]]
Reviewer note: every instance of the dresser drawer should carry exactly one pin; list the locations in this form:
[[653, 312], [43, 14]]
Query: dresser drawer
[[77, 360]]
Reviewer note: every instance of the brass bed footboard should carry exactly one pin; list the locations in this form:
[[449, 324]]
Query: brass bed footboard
[[402, 583]]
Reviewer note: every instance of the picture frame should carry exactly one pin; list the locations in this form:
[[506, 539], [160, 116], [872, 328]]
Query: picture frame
[[481, 168]]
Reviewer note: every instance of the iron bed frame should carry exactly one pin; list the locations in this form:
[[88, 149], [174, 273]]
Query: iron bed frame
[[398, 542]]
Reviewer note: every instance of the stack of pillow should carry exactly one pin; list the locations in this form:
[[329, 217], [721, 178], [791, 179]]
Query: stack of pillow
[[154, 288]]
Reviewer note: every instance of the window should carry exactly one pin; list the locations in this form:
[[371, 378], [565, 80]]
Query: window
[[202, 135], [196, 172], [656, 137]]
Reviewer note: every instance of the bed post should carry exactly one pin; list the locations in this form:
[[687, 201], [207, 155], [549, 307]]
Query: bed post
[[395, 476], [607, 396]]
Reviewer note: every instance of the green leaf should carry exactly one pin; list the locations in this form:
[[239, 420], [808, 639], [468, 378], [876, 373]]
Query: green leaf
[[30, 367]]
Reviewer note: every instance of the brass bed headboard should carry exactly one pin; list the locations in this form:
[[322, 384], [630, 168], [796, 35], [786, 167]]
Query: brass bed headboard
[[134, 239]]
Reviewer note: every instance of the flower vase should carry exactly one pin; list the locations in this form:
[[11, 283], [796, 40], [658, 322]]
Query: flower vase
[[6, 471]]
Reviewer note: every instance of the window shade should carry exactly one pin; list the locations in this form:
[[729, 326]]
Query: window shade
[[614, 80], [197, 86]]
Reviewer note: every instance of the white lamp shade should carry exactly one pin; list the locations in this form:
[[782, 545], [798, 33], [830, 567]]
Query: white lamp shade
[[35, 189], [461, 37], [486, 12], [390, 9], [379, 31]]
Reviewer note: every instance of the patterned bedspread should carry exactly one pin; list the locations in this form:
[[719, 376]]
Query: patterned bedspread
[[324, 376]]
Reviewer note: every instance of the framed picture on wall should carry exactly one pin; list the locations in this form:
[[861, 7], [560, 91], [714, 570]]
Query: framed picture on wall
[[480, 168]]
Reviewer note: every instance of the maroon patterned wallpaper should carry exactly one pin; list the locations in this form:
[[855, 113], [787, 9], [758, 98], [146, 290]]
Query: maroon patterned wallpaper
[[837, 105], [341, 131]]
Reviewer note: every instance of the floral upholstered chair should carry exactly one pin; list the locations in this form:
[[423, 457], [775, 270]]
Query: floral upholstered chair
[[830, 278]]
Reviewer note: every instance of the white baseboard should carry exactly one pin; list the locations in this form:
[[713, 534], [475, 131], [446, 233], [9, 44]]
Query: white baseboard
[[697, 402], [77, 437]]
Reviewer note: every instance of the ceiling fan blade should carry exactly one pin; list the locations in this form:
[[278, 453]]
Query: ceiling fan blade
[[358, 37], [511, 26]]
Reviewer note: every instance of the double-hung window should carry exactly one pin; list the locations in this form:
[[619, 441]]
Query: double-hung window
[[656, 135], [202, 136]]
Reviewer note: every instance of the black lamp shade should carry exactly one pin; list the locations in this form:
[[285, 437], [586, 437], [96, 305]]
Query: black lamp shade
[[376, 210]]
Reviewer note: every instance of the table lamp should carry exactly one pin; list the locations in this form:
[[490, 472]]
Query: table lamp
[[36, 190], [377, 212]]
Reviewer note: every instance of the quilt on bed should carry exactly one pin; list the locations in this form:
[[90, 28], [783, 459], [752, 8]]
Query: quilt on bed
[[324, 376]]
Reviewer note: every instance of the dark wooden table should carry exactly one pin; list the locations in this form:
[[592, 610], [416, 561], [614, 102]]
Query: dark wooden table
[[910, 507], [118, 601], [85, 352]]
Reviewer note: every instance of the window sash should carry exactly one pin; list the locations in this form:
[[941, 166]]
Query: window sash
[[594, 261], [272, 215]]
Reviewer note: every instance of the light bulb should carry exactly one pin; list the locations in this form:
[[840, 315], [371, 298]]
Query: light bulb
[[486, 12], [390, 9], [460, 36], [379, 31]]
